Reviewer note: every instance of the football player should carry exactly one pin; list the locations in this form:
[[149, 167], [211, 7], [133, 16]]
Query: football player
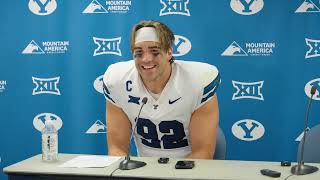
[[181, 115]]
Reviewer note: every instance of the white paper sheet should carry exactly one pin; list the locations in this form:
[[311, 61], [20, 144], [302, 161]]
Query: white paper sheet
[[90, 161]]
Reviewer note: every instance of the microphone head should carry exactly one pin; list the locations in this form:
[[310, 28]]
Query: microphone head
[[313, 90], [145, 100]]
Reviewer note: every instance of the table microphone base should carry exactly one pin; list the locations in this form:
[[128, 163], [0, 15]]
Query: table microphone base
[[128, 164], [303, 169]]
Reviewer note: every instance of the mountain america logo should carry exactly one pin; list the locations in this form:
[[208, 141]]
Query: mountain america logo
[[308, 86], [247, 90], [109, 6], [178, 7], [47, 47], [248, 130], [308, 6], [107, 46], [250, 49], [39, 120], [97, 128], [3, 84], [181, 46], [98, 84], [33, 48], [246, 7], [234, 49], [46, 86], [42, 7], [314, 48], [94, 7]]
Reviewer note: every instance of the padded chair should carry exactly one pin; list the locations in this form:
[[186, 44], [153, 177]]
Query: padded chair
[[311, 146], [221, 145]]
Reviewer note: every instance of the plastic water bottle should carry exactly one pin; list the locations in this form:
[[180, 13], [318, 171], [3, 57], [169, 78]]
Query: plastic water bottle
[[49, 142]]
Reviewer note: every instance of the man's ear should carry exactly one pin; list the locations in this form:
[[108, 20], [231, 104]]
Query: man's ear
[[170, 53]]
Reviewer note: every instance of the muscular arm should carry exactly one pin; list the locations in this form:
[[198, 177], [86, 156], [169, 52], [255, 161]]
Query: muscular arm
[[119, 130], [203, 130]]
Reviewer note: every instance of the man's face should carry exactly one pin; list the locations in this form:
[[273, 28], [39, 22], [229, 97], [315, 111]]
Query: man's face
[[151, 61]]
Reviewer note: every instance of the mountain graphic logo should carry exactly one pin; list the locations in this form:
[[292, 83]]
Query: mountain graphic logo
[[234, 50], [94, 7], [33, 48], [97, 128], [308, 7]]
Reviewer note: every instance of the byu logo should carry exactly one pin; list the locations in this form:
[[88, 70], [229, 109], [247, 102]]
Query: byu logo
[[95, 7], [98, 84], [96, 128], [42, 7], [308, 6], [246, 7], [234, 50], [316, 84], [248, 130], [39, 120], [314, 50], [247, 90], [33, 48], [181, 45], [46, 86], [107, 46], [175, 7]]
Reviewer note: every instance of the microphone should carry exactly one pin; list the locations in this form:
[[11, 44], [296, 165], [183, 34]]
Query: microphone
[[300, 168], [127, 163]]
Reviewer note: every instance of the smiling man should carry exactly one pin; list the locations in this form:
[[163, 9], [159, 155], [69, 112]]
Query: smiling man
[[181, 115]]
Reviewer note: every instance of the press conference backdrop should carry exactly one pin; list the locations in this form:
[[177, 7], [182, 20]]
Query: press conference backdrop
[[54, 53]]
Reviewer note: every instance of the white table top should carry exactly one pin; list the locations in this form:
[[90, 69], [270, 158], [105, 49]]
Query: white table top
[[204, 169]]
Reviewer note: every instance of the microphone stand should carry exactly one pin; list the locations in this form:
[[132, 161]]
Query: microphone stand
[[301, 168], [127, 163]]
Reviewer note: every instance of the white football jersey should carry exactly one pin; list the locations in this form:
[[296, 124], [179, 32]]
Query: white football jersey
[[162, 129]]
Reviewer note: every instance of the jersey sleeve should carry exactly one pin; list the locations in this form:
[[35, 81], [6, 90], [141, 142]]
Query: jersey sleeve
[[110, 86], [209, 82]]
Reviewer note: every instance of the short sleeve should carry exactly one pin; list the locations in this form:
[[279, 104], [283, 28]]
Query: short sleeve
[[209, 82], [110, 86]]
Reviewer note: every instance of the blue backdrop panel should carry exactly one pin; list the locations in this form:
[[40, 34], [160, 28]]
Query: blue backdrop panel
[[53, 53]]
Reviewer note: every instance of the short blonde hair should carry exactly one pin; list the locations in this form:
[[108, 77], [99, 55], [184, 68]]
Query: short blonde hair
[[164, 33]]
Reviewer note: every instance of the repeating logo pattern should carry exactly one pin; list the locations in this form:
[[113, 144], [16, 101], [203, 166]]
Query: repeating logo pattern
[[178, 7], [47, 47], [182, 45], [109, 6], [248, 130], [247, 90], [178, 10], [314, 48], [39, 120], [246, 7], [46, 86], [3, 84], [97, 128], [308, 6], [42, 7], [107, 46], [251, 48], [316, 84]]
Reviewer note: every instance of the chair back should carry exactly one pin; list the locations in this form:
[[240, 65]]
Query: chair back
[[221, 146], [311, 146]]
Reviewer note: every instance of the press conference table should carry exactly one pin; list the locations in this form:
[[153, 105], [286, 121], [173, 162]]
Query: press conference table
[[33, 168]]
